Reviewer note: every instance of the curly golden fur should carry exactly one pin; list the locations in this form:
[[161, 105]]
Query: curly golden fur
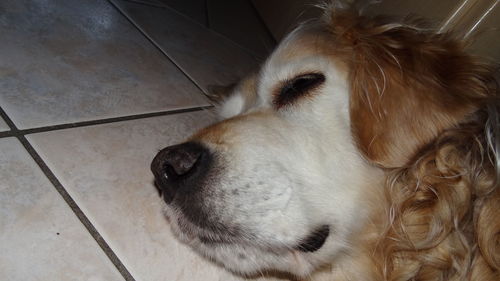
[[444, 206], [426, 112]]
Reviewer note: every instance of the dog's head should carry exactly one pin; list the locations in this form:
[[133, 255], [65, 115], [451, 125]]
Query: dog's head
[[288, 181]]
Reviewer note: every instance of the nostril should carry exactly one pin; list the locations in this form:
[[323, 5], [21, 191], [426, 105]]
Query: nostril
[[177, 166], [180, 160], [174, 171], [180, 167], [169, 172]]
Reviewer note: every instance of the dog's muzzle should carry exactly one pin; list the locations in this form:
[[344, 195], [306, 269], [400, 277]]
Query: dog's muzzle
[[182, 175], [180, 169]]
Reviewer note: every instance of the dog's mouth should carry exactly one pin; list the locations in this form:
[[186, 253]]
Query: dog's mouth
[[315, 240], [213, 241], [312, 243], [308, 244]]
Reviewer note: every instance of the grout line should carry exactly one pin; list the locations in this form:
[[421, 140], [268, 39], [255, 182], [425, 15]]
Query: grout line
[[150, 39], [5, 134], [20, 135], [255, 56], [78, 212], [67, 198], [147, 3], [262, 22], [7, 120], [207, 15], [14, 132]]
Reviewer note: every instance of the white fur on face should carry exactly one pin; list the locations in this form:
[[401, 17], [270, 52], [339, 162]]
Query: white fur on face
[[282, 173], [232, 106]]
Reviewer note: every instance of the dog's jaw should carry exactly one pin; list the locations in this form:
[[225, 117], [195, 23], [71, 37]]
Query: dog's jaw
[[254, 260]]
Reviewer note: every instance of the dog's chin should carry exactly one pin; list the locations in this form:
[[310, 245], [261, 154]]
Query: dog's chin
[[251, 260], [251, 257]]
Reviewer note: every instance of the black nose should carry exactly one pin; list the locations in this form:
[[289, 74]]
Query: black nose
[[179, 168]]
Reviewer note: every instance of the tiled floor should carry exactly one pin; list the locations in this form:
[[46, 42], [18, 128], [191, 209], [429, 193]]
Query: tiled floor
[[90, 100], [238, 20], [245, 28], [207, 57], [40, 238], [65, 61], [3, 125], [195, 9]]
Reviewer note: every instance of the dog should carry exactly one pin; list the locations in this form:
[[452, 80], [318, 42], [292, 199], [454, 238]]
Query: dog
[[363, 149]]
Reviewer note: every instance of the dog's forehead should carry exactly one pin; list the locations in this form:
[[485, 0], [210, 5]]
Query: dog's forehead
[[301, 43], [309, 48]]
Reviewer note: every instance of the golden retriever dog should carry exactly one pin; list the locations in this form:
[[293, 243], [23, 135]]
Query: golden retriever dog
[[363, 149]]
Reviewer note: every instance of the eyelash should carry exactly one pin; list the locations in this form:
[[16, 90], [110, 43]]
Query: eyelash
[[297, 87]]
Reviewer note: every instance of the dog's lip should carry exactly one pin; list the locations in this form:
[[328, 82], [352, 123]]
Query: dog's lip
[[309, 244], [315, 240], [214, 241]]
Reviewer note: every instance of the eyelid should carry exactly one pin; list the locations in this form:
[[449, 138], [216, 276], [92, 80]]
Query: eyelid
[[300, 85]]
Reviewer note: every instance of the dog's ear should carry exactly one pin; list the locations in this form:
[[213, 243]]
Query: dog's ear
[[407, 85], [237, 98]]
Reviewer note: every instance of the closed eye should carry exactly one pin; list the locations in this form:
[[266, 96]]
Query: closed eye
[[297, 87]]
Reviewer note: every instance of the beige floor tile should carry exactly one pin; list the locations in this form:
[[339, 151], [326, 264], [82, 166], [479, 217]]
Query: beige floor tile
[[64, 61], [3, 125], [105, 168], [195, 9], [239, 21], [206, 56], [40, 237]]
